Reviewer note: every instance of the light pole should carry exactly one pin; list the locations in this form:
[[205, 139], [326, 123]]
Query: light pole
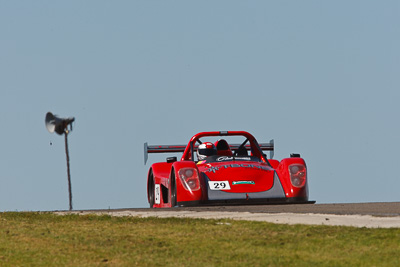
[[60, 126]]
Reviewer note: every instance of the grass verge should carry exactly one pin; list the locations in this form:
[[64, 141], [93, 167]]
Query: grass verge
[[45, 239]]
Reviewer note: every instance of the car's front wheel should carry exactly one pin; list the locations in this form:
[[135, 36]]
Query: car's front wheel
[[173, 189], [150, 190]]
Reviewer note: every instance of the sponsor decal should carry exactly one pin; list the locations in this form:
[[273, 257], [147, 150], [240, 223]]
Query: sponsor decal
[[225, 158], [244, 165], [243, 182], [157, 193]]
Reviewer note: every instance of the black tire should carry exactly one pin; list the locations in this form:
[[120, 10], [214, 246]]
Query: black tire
[[150, 190], [173, 189]]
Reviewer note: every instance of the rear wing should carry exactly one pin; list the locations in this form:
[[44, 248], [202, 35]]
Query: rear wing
[[162, 149], [181, 148]]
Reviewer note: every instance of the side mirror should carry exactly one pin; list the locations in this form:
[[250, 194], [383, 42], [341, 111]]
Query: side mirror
[[171, 159]]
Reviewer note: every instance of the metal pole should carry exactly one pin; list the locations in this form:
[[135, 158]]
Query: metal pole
[[68, 171]]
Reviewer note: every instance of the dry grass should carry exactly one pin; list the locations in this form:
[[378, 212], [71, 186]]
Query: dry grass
[[45, 239]]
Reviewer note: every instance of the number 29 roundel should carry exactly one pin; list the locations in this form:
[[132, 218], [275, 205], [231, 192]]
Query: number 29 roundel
[[219, 185]]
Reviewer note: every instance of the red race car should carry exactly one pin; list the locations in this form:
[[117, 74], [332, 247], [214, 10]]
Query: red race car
[[222, 173]]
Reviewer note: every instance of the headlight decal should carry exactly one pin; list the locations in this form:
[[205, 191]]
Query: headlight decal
[[298, 175], [189, 178]]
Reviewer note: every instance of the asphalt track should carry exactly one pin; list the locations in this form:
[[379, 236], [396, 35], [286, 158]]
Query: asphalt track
[[371, 215]]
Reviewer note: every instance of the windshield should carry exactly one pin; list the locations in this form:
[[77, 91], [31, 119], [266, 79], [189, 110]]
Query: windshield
[[230, 144]]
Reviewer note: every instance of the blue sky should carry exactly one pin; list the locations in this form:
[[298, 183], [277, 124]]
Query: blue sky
[[319, 77]]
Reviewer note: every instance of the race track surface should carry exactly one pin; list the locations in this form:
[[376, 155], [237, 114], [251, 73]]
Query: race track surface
[[382, 209], [374, 209], [371, 215]]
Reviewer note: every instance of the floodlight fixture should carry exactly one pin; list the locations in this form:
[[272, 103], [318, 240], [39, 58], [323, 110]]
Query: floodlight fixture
[[60, 126]]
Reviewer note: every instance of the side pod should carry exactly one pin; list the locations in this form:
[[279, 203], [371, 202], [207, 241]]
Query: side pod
[[293, 175]]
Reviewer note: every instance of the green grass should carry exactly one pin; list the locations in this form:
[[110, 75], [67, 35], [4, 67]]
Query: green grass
[[45, 239]]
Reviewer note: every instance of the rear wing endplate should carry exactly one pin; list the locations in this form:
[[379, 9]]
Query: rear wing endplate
[[181, 148]]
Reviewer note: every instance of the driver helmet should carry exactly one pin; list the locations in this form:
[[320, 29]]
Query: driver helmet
[[206, 149]]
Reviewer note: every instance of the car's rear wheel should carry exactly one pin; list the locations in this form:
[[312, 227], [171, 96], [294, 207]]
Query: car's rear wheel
[[150, 190]]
